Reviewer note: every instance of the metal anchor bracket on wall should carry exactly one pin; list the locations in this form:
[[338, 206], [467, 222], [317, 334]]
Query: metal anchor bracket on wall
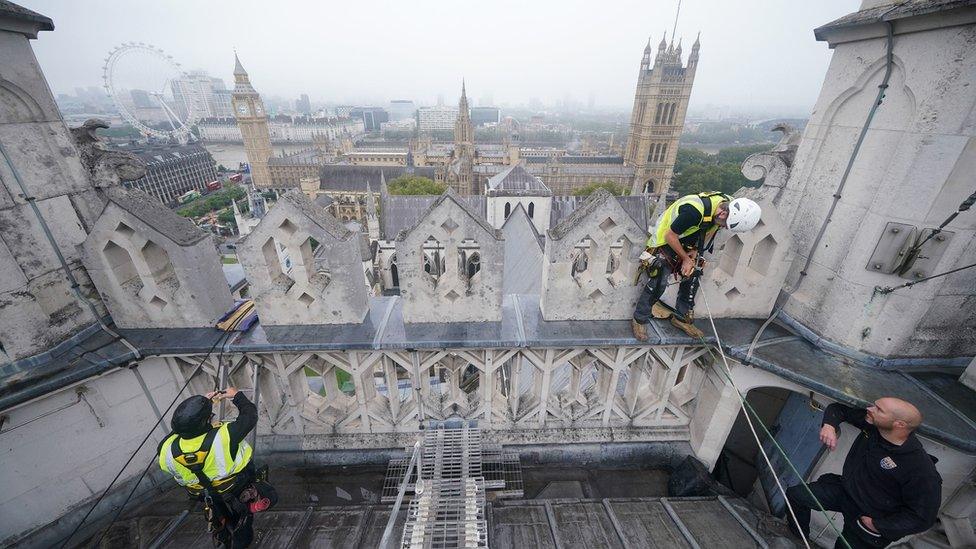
[[897, 251]]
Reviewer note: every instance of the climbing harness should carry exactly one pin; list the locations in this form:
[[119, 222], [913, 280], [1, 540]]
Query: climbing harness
[[223, 337]]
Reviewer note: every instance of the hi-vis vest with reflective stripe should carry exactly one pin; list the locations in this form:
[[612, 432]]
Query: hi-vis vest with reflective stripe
[[218, 464], [698, 202]]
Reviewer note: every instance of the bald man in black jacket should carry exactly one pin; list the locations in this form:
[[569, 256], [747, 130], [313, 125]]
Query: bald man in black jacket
[[889, 487]]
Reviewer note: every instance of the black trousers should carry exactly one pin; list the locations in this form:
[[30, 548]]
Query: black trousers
[[238, 531], [829, 490], [655, 286]]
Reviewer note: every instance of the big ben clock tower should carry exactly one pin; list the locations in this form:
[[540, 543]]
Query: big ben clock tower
[[253, 122]]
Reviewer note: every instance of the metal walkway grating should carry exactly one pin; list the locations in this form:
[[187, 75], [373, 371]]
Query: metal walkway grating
[[447, 513], [394, 477], [503, 475], [445, 478], [451, 453]]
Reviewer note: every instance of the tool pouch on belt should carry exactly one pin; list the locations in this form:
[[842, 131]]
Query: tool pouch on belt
[[260, 495], [650, 263]]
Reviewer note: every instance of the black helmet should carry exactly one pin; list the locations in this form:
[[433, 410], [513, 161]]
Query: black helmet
[[192, 417]]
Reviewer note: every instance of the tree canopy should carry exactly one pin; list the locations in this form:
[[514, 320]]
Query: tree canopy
[[212, 202], [610, 186], [411, 184], [697, 171]]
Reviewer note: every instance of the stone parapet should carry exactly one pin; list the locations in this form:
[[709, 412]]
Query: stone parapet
[[152, 267], [749, 269], [451, 265], [590, 263], [303, 266]]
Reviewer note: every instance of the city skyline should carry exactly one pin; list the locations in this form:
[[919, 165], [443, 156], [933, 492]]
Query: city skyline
[[754, 57]]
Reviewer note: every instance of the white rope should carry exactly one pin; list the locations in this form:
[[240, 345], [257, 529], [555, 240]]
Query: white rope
[[789, 506]]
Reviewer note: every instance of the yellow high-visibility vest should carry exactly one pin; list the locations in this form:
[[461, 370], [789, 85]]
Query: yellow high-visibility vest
[[218, 464], [697, 201]]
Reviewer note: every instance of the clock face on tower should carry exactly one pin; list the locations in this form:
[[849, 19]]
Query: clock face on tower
[[242, 109]]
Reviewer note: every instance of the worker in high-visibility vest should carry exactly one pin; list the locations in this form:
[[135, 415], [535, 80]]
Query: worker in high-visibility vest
[[685, 231], [213, 462]]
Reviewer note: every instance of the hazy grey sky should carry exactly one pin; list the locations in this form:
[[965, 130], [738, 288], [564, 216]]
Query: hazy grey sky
[[755, 53]]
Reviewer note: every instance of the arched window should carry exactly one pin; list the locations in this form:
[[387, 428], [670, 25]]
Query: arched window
[[664, 152], [473, 265], [508, 209], [531, 209], [659, 113], [433, 261], [674, 107], [655, 152], [394, 272], [580, 262]]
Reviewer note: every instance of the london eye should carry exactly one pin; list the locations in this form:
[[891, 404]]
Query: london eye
[[144, 83]]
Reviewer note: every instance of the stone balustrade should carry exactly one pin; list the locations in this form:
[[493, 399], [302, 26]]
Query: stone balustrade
[[528, 393]]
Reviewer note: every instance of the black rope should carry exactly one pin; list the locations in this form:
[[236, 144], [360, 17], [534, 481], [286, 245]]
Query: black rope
[[64, 544], [888, 289]]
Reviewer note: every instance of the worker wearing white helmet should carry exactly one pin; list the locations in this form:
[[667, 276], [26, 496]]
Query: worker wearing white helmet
[[686, 229]]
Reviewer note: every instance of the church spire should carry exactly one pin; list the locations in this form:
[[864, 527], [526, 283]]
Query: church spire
[[463, 132], [463, 103], [646, 59], [372, 222]]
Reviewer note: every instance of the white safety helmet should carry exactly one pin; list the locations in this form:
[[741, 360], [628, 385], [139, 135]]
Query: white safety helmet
[[744, 215]]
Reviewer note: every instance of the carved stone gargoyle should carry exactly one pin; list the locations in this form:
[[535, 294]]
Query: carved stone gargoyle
[[773, 167], [108, 168]]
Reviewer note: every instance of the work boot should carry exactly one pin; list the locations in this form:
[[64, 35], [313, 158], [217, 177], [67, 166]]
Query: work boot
[[687, 325], [640, 331], [658, 310]]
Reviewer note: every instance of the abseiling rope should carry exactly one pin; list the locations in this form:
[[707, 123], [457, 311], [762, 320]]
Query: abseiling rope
[[747, 408], [199, 366]]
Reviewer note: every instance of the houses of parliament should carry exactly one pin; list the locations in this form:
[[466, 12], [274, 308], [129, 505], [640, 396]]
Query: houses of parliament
[[339, 166]]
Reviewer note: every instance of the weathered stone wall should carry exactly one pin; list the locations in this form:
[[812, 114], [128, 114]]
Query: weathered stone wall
[[590, 263], [541, 207], [915, 167], [323, 281], [451, 265], [748, 270], [37, 306], [153, 268], [61, 462]]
